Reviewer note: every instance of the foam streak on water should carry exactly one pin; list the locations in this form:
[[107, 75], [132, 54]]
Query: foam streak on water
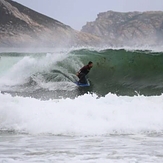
[[101, 149]]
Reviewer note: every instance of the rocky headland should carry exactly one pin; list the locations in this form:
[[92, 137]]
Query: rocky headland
[[23, 27], [131, 28]]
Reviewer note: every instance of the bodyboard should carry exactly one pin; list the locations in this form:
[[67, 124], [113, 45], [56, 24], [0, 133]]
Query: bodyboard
[[82, 85]]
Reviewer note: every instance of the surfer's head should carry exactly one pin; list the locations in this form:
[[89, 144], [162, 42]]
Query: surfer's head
[[90, 64]]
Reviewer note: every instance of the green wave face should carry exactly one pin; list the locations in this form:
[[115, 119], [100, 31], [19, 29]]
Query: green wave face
[[114, 71], [124, 72]]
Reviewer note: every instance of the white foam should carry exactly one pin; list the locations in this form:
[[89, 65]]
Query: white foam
[[85, 115], [128, 48], [25, 67]]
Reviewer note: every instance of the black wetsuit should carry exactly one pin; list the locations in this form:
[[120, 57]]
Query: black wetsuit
[[82, 73]]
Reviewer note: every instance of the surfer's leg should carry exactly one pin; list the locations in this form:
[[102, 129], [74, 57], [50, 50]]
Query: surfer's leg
[[82, 79]]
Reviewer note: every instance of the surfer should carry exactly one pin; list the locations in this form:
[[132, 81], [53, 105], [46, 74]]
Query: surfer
[[83, 72]]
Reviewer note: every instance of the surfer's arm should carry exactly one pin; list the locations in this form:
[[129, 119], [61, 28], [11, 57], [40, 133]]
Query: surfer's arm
[[77, 74], [81, 70]]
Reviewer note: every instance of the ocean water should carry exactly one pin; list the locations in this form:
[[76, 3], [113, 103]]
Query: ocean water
[[45, 117]]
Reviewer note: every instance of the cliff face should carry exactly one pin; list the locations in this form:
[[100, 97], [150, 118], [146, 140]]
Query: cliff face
[[132, 28], [21, 26]]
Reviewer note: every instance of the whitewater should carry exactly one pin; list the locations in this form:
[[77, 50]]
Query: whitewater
[[45, 117]]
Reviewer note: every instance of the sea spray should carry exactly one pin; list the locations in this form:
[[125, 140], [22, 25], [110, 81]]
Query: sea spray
[[84, 115]]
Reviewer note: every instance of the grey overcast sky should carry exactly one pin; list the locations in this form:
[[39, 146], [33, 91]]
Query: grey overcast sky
[[76, 13]]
